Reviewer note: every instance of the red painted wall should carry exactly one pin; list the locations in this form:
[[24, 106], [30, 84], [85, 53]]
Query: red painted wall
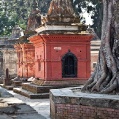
[[26, 60], [48, 65]]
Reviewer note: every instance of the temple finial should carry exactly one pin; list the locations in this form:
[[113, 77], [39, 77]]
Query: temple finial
[[34, 19]]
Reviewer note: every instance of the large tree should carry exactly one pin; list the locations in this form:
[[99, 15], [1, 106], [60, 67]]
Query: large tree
[[105, 78]]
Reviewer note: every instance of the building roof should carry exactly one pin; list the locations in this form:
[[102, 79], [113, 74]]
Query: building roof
[[61, 18], [16, 33]]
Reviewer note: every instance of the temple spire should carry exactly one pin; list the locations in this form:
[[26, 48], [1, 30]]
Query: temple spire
[[34, 19], [62, 11]]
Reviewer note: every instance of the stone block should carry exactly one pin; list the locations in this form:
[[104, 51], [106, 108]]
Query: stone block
[[4, 116], [30, 94], [67, 103], [16, 83]]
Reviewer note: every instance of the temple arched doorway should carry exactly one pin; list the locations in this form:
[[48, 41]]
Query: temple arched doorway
[[69, 65]]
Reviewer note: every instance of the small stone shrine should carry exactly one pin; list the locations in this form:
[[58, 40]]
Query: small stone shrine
[[25, 49], [9, 57], [62, 50], [8, 53]]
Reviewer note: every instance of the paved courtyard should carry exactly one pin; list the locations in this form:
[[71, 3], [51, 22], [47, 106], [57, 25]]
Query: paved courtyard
[[42, 106]]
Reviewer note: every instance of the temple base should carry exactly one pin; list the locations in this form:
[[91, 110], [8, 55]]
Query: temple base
[[40, 89]]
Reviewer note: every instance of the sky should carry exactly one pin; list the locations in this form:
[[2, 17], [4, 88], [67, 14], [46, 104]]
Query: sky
[[88, 18]]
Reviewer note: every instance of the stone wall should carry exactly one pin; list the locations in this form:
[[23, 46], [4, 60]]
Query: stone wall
[[67, 111], [65, 105], [1, 63], [95, 46], [10, 61]]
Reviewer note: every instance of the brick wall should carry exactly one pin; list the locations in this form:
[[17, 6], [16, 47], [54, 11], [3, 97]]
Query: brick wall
[[94, 58], [67, 111]]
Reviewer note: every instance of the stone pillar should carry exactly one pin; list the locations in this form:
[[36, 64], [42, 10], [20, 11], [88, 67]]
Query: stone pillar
[[6, 81], [9, 61]]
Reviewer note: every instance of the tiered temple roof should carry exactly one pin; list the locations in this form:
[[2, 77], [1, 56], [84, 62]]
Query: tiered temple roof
[[62, 11]]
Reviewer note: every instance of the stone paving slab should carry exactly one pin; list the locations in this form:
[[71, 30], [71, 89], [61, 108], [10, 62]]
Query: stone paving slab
[[4, 93], [4, 116], [19, 111], [12, 100], [42, 106], [24, 109], [13, 108], [7, 110], [29, 116]]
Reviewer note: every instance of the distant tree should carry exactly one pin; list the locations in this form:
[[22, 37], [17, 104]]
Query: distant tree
[[93, 7], [13, 12], [16, 12]]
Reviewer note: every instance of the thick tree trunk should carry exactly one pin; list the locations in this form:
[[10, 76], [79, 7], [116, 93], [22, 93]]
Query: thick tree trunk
[[106, 75]]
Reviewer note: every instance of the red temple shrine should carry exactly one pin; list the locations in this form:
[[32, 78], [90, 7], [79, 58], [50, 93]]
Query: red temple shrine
[[25, 63], [62, 56], [62, 48]]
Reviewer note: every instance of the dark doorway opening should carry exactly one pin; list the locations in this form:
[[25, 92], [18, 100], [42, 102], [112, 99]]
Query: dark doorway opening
[[69, 65]]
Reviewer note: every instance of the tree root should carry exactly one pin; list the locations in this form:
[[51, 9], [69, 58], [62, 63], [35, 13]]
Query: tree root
[[97, 86], [110, 89], [88, 82], [106, 81]]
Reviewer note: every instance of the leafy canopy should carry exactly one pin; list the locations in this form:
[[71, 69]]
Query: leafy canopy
[[16, 12]]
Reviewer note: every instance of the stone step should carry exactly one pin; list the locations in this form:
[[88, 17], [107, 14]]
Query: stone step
[[30, 94], [16, 83], [8, 87], [41, 89]]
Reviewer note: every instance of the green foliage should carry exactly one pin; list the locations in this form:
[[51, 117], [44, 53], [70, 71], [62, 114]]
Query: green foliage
[[97, 18], [12, 12], [95, 7], [16, 12]]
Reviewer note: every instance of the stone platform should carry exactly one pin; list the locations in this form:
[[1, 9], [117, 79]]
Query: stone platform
[[8, 87], [70, 103], [34, 91], [13, 84], [31, 95]]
